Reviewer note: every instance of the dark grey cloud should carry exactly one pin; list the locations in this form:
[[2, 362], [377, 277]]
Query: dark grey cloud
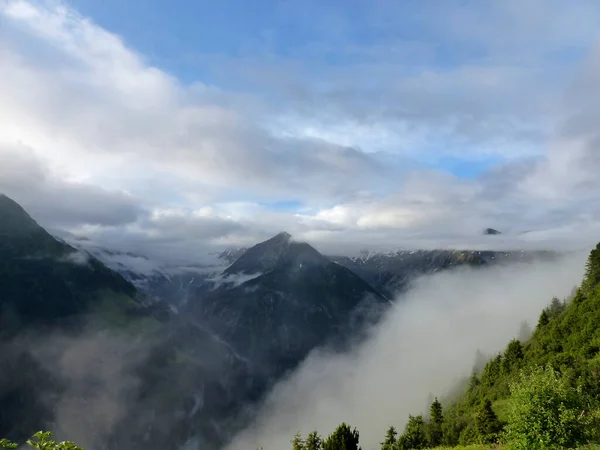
[[55, 202]]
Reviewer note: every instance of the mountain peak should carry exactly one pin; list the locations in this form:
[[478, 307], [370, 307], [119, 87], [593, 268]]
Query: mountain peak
[[14, 219], [283, 236], [280, 249], [491, 231]]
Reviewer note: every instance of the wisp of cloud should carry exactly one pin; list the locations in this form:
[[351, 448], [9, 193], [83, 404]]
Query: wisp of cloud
[[424, 346]]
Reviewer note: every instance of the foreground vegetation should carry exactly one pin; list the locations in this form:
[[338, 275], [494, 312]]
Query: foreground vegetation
[[542, 392], [42, 441]]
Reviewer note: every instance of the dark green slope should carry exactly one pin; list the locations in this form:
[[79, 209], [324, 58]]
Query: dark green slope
[[48, 290], [44, 281]]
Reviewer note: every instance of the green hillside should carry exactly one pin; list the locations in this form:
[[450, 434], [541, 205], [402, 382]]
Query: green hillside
[[45, 282]]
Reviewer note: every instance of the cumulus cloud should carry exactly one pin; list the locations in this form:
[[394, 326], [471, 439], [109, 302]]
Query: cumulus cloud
[[98, 99], [95, 140], [424, 346]]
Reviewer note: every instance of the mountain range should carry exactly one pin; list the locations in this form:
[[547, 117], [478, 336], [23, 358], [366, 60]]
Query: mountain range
[[210, 339]]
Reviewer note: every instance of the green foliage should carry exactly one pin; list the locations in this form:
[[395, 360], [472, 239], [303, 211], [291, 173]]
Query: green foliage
[[414, 436], [42, 440], [435, 433], [313, 441], [297, 442], [492, 371], [547, 412], [487, 424], [5, 443], [543, 320], [513, 356], [591, 278], [343, 438], [390, 439], [555, 308]]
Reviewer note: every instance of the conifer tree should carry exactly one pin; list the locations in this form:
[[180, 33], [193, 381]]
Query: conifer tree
[[513, 355], [487, 424], [313, 441], [491, 372], [414, 436], [555, 308], [390, 439], [436, 419], [543, 320], [592, 270], [343, 438], [473, 382], [297, 442]]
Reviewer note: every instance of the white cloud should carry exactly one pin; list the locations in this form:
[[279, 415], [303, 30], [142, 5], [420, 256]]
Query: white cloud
[[94, 139]]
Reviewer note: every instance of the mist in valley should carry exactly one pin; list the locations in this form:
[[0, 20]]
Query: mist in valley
[[425, 346]]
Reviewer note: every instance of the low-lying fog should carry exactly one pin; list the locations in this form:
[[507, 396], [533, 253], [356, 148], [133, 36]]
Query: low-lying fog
[[424, 347]]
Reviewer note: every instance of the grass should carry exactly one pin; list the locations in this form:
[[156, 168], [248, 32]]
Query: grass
[[501, 447], [468, 447]]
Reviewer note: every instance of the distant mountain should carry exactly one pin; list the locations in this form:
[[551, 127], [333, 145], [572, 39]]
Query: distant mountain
[[491, 231], [282, 298], [388, 272], [246, 328], [231, 254], [392, 272], [172, 284]]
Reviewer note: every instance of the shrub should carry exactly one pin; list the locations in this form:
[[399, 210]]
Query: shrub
[[547, 412]]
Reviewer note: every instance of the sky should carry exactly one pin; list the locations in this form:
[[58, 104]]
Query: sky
[[173, 127]]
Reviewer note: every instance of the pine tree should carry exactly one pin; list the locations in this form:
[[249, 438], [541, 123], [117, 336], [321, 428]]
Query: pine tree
[[343, 438], [487, 424], [414, 436], [543, 320], [313, 441], [592, 270], [390, 439], [555, 308], [491, 372], [473, 382], [513, 355], [436, 419], [297, 442]]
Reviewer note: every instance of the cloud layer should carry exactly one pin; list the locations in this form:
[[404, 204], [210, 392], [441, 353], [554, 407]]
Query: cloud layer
[[95, 140]]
